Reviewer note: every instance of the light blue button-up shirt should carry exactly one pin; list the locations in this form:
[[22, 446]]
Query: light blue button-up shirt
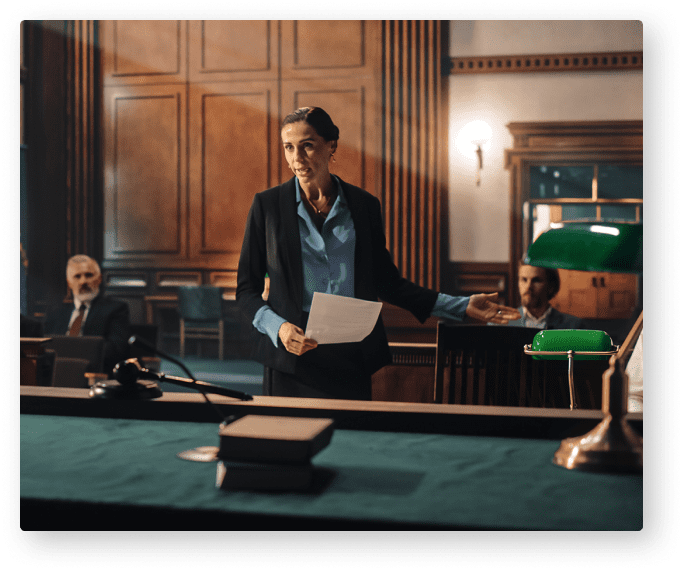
[[328, 263]]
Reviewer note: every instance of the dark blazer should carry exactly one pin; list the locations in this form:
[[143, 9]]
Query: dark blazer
[[556, 320], [107, 318], [272, 245]]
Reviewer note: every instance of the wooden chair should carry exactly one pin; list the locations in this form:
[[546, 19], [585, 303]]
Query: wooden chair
[[486, 365], [482, 365], [201, 315], [90, 348]]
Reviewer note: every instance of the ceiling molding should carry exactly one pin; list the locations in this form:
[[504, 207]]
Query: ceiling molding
[[596, 61]]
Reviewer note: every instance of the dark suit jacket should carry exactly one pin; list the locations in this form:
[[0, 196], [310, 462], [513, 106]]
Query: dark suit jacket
[[272, 245], [107, 318], [556, 320]]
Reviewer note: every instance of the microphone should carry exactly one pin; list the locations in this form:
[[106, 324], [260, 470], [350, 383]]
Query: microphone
[[128, 372], [136, 341], [140, 343]]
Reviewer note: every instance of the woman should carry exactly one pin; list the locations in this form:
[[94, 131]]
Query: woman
[[317, 233]]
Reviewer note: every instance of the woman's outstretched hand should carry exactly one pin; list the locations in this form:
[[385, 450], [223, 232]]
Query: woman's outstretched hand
[[294, 340], [483, 307]]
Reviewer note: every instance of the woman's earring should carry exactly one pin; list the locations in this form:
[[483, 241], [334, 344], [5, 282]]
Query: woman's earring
[[333, 159]]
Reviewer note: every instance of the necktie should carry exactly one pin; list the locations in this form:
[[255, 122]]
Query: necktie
[[75, 328]]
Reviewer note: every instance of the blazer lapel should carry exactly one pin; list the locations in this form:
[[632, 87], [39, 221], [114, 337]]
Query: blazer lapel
[[290, 239], [65, 312], [90, 325], [364, 245]]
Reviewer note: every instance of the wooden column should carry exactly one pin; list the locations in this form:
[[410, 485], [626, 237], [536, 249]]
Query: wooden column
[[63, 189], [414, 142], [82, 143]]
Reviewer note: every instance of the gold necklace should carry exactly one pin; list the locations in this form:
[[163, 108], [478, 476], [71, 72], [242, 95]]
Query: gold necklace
[[317, 210]]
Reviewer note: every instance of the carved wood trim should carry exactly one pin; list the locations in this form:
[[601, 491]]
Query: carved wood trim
[[83, 206], [412, 175], [591, 61]]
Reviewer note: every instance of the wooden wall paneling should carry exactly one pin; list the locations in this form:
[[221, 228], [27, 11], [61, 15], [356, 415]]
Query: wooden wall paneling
[[143, 52], [45, 163], [329, 48], [174, 279], [227, 281], [597, 295], [233, 50], [414, 141], [482, 277], [352, 104], [145, 174], [83, 148], [234, 153]]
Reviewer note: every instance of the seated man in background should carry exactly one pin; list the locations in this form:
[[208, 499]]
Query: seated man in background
[[537, 286], [91, 312]]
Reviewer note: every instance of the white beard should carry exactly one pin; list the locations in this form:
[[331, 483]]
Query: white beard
[[87, 297]]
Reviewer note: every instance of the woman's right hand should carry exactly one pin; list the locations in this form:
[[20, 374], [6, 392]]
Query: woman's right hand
[[294, 340]]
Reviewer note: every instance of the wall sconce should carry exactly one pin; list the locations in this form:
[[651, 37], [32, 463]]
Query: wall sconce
[[472, 140]]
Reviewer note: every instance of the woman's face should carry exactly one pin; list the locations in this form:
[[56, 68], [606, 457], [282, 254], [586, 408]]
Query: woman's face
[[307, 153]]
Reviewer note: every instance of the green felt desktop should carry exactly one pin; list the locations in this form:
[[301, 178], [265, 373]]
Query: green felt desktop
[[112, 473]]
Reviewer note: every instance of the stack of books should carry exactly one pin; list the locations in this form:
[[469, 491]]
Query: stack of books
[[259, 452]]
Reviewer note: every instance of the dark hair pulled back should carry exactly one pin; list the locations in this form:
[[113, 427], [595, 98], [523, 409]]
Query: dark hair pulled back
[[316, 118]]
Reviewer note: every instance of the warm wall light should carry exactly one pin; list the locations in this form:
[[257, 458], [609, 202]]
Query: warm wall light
[[472, 140]]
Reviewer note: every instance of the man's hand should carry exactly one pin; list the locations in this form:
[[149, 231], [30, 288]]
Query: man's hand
[[294, 340], [483, 307]]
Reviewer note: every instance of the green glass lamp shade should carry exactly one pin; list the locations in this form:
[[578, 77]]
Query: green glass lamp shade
[[589, 246], [579, 340]]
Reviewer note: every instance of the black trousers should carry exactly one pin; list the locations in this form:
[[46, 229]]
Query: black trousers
[[329, 371]]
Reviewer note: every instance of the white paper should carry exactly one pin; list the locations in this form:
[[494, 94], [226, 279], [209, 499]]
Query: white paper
[[339, 319]]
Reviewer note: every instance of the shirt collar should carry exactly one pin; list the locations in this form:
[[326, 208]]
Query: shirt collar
[[78, 303], [340, 192], [531, 320]]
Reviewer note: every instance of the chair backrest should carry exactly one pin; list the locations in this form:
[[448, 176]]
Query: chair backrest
[[486, 365], [90, 348], [68, 372], [479, 364], [200, 303]]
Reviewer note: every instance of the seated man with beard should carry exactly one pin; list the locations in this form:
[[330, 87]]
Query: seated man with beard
[[91, 312], [537, 286]]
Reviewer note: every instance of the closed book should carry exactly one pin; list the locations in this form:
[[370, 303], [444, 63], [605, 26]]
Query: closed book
[[274, 439], [257, 476]]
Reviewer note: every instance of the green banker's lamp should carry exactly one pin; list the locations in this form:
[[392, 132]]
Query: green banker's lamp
[[604, 247]]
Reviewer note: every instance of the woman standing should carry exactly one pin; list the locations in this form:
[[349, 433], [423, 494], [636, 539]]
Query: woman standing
[[317, 233]]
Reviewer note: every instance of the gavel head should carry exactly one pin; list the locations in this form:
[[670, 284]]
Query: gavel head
[[127, 372]]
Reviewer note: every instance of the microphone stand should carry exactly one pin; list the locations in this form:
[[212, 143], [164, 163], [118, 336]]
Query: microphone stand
[[139, 342], [140, 390]]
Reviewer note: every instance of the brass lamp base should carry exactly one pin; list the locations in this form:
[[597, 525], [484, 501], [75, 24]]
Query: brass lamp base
[[612, 446]]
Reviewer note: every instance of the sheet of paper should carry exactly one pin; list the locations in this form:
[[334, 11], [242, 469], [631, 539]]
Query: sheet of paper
[[339, 319]]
